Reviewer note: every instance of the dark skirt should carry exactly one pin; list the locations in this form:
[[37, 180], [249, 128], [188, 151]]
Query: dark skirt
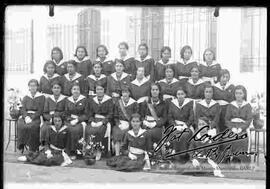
[[182, 145], [40, 158], [98, 132], [123, 163], [28, 134], [118, 134], [44, 131], [155, 135], [75, 133]]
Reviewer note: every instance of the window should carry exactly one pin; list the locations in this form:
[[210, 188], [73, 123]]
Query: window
[[253, 40]]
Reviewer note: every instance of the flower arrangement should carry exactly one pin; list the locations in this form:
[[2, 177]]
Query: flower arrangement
[[258, 110], [90, 149], [14, 102], [158, 160]]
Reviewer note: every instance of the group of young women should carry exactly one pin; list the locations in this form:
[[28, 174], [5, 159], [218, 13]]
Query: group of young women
[[131, 99]]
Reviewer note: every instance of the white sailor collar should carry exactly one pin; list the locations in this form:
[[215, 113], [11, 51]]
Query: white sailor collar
[[218, 85], [189, 61], [174, 80], [94, 77], [61, 97], [107, 59], [78, 100], [130, 101], [79, 61], [236, 105], [213, 63], [124, 75], [186, 101], [200, 81], [54, 76], [146, 58], [60, 63], [169, 62], [105, 98], [38, 94], [136, 81], [125, 58], [76, 76], [60, 130], [203, 103], [141, 131]]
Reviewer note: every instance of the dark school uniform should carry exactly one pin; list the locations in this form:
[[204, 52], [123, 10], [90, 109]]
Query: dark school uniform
[[75, 110], [210, 72], [92, 81], [211, 111], [178, 115], [182, 70], [99, 111], [149, 66], [131, 107], [45, 83], [107, 66], [61, 67], [160, 108], [223, 95], [134, 145], [160, 69], [169, 89], [28, 133], [115, 85], [244, 112], [84, 66], [51, 107], [129, 65], [195, 90], [67, 83], [140, 90], [56, 142]]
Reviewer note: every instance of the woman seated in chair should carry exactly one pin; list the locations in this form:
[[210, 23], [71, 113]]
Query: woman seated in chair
[[154, 112], [29, 122], [75, 119], [135, 147], [123, 109], [53, 153], [181, 116], [238, 118], [100, 115], [54, 103]]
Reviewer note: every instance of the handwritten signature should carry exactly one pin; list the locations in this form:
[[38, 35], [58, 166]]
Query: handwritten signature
[[212, 147]]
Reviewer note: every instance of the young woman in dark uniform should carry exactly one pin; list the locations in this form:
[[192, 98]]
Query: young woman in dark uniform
[[107, 63], [84, 64]]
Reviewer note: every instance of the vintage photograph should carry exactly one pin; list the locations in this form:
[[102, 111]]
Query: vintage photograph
[[133, 95]]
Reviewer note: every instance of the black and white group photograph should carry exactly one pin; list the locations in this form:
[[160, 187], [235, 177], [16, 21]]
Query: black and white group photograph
[[118, 95]]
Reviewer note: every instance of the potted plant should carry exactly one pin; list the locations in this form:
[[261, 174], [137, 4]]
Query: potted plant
[[14, 102], [257, 111]]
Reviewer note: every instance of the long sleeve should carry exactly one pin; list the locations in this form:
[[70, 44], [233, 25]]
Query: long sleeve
[[152, 69], [248, 120], [162, 120], [215, 121], [116, 113], [46, 111], [125, 145], [191, 118], [109, 115], [170, 116], [40, 108], [23, 109], [228, 117], [83, 117], [90, 112]]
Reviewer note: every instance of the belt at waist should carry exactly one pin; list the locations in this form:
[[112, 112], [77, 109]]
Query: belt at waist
[[74, 116], [179, 122], [150, 118], [55, 148], [222, 102], [31, 112], [134, 150], [99, 116], [183, 77]]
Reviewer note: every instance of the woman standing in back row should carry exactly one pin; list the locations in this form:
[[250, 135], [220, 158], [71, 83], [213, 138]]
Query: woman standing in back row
[[84, 64], [107, 63]]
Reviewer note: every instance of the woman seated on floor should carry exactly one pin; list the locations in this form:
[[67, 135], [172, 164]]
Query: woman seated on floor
[[53, 152], [135, 147]]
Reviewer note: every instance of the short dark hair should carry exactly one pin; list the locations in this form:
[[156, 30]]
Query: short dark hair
[[56, 82], [170, 66], [48, 62], [195, 66], [125, 44], [75, 84], [163, 49], [73, 62], [59, 50], [82, 47], [135, 115], [33, 81], [159, 88], [241, 87], [181, 88], [144, 45], [184, 48], [104, 47], [223, 72], [212, 51]]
